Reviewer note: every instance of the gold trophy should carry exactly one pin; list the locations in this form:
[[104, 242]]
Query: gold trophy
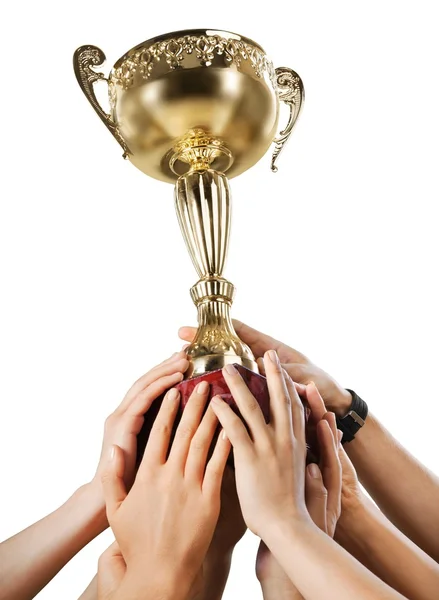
[[196, 108]]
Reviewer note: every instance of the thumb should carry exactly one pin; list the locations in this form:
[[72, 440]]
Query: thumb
[[111, 571], [112, 481]]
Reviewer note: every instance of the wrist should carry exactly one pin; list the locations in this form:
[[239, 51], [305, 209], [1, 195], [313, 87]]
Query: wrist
[[354, 519], [278, 530], [90, 498], [137, 586], [341, 403]]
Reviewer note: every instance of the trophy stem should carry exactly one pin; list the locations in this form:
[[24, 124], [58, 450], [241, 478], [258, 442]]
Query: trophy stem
[[203, 204]]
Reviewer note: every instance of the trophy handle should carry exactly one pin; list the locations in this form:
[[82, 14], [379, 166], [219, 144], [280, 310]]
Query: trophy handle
[[84, 59], [292, 93]]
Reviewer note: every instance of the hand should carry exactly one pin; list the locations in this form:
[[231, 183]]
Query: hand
[[269, 458], [165, 524], [351, 494], [111, 573], [123, 425], [323, 501], [297, 365]]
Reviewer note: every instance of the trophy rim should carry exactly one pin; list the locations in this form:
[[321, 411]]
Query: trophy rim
[[208, 32]]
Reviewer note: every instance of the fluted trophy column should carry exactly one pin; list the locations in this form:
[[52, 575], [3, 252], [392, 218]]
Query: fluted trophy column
[[203, 204]]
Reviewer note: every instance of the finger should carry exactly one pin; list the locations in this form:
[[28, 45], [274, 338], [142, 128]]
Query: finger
[[111, 571], [215, 468], [331, 471], [332, 422], [144, 399], [246, 402], [187, 333], [176, 364], [280, 403], [188, 425], [112, 481], [260, 343], [199, 448], [316, 496], [158, 443], [232, 425], [297, 410], [315, 402], [260, 363]]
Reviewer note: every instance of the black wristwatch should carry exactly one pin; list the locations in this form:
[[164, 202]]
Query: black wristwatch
[[355, 418]]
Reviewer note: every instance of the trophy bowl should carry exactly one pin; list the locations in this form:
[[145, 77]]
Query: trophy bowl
[[194, 91]]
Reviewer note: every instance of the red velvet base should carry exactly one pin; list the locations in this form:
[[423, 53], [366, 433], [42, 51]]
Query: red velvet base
[[256, 383]]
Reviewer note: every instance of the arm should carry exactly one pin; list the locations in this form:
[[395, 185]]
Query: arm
[[30, 559], [369, 536], [406, 491], [316, 564]]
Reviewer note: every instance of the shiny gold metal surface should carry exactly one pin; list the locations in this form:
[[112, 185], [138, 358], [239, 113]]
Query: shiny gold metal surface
[[215, 81], [203, 205], [191, 107]]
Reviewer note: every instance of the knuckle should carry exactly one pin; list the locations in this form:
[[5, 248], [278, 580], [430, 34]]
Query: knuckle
[[185, 431]]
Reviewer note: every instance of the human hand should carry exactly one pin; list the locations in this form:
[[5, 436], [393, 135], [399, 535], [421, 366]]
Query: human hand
[[111, 573], [269, 458], [351, 494], [323, 485], [297, 365], [165, 524], [124, 424]]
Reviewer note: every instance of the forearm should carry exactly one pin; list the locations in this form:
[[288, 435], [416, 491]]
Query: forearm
[[316, 564], [216, 570], [280, 589], [369, 536], [406, 491], [30, 559]]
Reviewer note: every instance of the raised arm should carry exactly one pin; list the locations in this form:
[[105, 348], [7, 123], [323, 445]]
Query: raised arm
[[405, 490], [31, 558], [368, 535]]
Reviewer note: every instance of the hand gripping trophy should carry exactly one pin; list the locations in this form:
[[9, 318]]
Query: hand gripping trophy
[[195, 108]]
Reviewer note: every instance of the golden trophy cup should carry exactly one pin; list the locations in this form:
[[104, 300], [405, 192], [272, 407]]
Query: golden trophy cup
[[196, 108]]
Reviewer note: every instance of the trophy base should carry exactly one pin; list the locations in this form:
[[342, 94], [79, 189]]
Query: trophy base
[[256, 383]]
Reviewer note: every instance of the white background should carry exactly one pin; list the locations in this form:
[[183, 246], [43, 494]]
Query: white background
[[336, 254]]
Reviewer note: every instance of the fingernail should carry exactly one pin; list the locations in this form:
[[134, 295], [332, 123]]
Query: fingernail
[[173, 395], [112, 452], [230, 369], [185, 346], [339, 436], [202, 387], [314, 471], [216, 400], [181, 376], [272, 355], [223, 435]]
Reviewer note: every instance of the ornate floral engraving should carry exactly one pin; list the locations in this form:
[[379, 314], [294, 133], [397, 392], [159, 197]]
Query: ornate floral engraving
[[291, 92], [173, 51], [84, 59]]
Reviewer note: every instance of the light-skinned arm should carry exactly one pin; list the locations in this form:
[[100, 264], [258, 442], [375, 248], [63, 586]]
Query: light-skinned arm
[[270, 479], [31, 558], [165, 524], [368, 535], [405, 490]]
